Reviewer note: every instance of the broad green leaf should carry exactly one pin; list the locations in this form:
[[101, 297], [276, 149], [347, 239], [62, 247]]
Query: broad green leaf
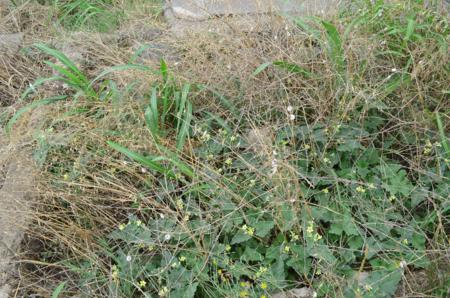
[[251, 254], [263, 228], [240, 237]]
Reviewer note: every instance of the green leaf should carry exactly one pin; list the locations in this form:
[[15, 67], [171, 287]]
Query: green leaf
[[240, 237], [384, 283], [263, 228], [185, 292], [58, 290], [251, 254], [349, 146], [288, 217]]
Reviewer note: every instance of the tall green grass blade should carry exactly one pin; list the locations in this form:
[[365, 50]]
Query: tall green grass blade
[[335, 46], [37, 83], [175, 160], [58, 290], [164, 71], [261, 68], [121, 68], [292, 68], [183, 132], [63, 59], [30, 107], [144, 161], [410, 28], [442, 134]]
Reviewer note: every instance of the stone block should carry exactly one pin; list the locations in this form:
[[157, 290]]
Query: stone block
[[205, 9]]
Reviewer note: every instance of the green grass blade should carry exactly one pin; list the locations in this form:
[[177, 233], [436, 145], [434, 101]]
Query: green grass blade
[[37, 83], [183, 132], [58, 290], [335, 46], [164, 71], [63, 59], [292, 68], [144, 161], [261, 68], [442, 134], [30, 107], [120, 68]]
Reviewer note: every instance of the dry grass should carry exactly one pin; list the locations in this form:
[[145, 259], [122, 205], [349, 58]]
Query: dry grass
[[86, 190]]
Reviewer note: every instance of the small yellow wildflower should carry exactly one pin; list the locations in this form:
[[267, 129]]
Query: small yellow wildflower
[[243, 294], [294, 236], [325, 190], [180, 204], [151, 248], [306, 147], [138, 223], [182, 258], [405, 241], [263, 285], [317, 237], [392, 198], [287, 249], [244, 284], [310, 228], [360, 189], [263, 296], [114, 273], [371, 186], [233, 138], [122, 227], [368, 288], [163, 292], [228, 247], [326, 160], [228, 161], [142, 284]]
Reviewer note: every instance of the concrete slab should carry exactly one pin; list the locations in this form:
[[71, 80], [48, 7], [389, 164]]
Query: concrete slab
[[204, 9]]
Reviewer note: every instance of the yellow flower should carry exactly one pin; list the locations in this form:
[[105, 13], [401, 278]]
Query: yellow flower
[[228, 247], [368, 288], [360, 189], [405, 241], [122, 227], [250, 231], [294, 236], [182, 258], [66, 177], [138, 223], [142, 284], [228, 161], [163, 292], [263, 296], [317, 237], [243, 294], [371, 186], [287, 249], [325, 190], [263, 285]]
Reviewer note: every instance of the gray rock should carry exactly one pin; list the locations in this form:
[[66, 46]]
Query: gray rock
[[304, 292], [10, 43], [204, 9]]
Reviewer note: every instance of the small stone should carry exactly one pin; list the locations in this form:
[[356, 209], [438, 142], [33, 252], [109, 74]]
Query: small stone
[[304, 292]]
